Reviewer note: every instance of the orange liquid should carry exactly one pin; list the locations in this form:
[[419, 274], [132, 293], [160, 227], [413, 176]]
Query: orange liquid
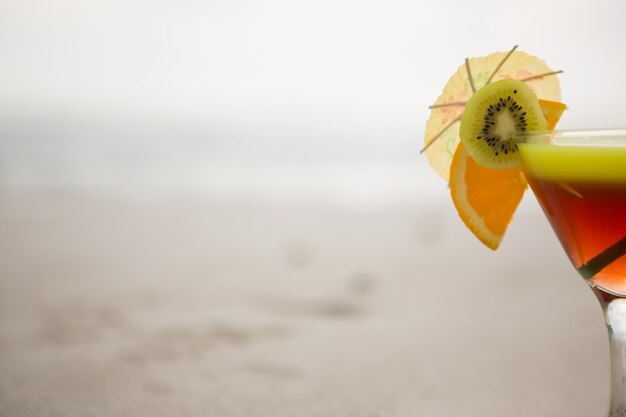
[[588, 218]]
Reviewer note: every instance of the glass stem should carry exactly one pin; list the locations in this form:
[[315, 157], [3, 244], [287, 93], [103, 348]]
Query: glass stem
[[615, 316]]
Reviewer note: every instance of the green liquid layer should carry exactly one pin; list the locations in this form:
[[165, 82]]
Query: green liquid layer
[[576, 163]]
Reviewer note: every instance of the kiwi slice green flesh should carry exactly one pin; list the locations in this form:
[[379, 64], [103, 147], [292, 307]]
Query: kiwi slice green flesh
[[492, 117]]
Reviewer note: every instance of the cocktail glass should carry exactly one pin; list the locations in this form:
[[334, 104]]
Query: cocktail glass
[[579, 178]]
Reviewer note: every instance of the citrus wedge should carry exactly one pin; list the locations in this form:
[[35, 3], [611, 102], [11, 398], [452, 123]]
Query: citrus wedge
[[552, 111], [485, 198]]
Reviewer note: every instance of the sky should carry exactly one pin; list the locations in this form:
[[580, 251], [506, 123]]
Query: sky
[[356, 74], [263, 62]]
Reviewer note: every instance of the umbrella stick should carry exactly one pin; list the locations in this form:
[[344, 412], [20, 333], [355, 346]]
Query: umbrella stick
[[434, 138], [452, 103], [469, 75], [542, 75], [501, 63], [599, 262]]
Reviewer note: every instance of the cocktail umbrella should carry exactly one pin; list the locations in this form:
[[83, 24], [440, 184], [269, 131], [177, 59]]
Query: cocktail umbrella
[[441, 137]]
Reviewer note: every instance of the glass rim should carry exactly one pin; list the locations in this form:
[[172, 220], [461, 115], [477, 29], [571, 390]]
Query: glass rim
[[594, 133]]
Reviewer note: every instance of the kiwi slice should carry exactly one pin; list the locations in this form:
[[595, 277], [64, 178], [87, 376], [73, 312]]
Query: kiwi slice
[[493, 115]]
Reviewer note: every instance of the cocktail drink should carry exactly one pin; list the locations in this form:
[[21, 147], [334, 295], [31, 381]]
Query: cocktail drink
[[494, 138], [579, 178]]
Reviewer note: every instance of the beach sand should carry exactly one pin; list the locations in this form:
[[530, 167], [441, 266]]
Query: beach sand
[[203, 308]]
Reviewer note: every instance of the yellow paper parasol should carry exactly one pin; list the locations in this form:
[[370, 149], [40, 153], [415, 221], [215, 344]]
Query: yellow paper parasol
[[442, 128]]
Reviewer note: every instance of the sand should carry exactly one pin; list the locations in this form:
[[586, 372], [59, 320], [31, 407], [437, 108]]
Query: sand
[[205, 308]]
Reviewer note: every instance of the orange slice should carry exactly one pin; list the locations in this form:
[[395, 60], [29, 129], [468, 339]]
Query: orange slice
[[552, 111], [485, 198]]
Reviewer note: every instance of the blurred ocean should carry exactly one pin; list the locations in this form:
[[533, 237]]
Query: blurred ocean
[[299, 166]]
